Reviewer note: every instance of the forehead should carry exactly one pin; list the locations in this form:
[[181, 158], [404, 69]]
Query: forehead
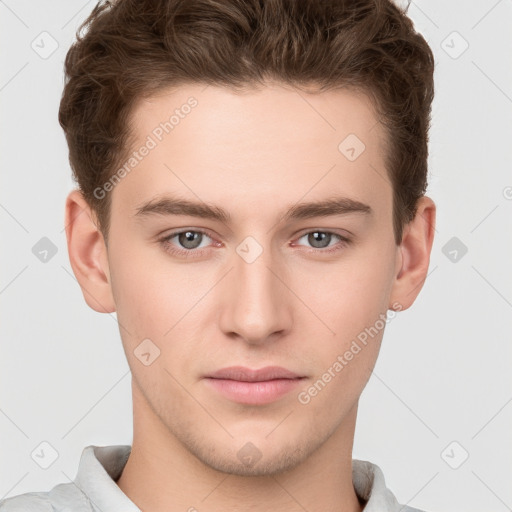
[[272, 141], [261, 111]]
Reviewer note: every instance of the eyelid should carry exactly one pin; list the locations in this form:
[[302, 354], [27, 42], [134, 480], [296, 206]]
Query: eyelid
[[333, 231], [165, 241], [178, 231], [297, 236], [341, 244]]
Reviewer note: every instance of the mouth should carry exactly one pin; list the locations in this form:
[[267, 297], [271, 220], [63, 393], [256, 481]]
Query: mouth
[[253, 387]]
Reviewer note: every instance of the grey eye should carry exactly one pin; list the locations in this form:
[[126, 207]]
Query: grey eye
[[319, 239], [190, 239]]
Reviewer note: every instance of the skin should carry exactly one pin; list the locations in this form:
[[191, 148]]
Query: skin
[[255, 155]]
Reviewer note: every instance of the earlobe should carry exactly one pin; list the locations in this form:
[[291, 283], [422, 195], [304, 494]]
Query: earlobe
[[88, 254], [414, 254]]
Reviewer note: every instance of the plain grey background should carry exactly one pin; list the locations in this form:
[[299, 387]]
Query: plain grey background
[[436, 415]]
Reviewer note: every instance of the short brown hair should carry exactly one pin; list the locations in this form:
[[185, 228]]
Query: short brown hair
[[134, 48]]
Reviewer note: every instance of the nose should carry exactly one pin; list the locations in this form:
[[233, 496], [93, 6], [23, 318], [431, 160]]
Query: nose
[[255, 301]]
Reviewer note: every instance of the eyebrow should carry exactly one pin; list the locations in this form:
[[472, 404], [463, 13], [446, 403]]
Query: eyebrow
[[176, 206]]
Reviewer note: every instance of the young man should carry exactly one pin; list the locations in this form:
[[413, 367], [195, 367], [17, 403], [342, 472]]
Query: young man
[[251, 204]]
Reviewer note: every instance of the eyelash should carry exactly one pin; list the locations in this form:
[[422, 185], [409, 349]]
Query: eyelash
[[191, 253]]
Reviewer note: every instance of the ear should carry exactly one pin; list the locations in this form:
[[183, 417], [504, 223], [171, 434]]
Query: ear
[[88, 254], [413, 255]]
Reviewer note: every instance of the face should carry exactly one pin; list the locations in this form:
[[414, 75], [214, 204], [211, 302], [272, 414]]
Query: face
[[254, 275]]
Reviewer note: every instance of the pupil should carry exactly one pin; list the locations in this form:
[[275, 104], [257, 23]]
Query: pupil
[[319, 236], [189, 239]]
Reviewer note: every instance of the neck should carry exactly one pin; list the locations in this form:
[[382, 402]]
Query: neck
[[161, 474]]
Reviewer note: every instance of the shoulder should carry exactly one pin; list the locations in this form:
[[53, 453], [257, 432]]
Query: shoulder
[[370, 486], [62, 498], [30, 501]]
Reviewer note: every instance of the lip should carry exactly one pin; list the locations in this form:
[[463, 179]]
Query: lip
[[255, 387], [243, 374]]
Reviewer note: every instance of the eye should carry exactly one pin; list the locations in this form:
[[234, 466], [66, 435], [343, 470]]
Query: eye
[[188, 241], [321, 240], [191, 242]]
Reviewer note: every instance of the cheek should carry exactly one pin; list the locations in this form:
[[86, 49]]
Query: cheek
[[350, 300], [157, 300], [145, 295], [346, 297], [354, 320]]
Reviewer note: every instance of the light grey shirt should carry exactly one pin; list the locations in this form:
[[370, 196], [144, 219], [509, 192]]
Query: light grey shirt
[[95, 490]]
